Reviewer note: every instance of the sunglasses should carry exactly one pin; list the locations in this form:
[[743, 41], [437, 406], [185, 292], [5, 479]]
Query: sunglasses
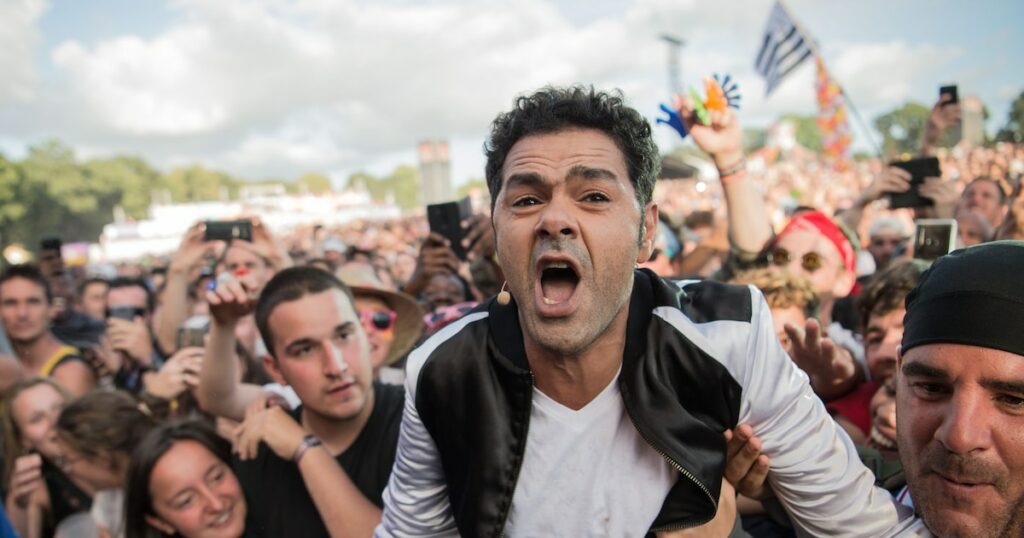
[[881, 241], [810, 261], [126, 312], [382, 320]]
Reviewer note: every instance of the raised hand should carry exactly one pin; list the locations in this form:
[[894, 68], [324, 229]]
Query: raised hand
[[231, 299]]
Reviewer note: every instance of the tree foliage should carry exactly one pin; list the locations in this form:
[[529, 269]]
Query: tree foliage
[[52, 192], [1013, 131], [806, 129], [402, 186], [902, 129]]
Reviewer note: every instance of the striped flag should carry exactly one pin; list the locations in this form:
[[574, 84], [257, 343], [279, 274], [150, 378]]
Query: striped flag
[[784, 48]]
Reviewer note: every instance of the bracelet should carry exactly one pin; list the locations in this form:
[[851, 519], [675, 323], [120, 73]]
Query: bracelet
[[732, 178], [308, 442], [740, 166]]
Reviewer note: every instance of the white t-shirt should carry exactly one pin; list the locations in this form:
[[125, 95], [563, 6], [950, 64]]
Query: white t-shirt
[[587, 472]]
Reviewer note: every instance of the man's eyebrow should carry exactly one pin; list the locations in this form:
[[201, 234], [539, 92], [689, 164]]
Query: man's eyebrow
[[299, 342], [586, 172], [525, 179], [918, 369], [1001, 385]]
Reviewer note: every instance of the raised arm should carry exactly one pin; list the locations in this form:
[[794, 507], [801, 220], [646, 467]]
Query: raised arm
[[219, 391], [174, 308]]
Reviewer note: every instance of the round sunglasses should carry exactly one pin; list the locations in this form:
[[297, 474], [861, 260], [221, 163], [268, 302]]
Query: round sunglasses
[[811, 261], [381, 320]]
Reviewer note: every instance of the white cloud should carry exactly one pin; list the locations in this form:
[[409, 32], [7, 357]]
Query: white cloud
[[18, 39], [277, 88]]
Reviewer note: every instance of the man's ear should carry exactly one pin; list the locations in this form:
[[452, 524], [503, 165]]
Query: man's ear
[[160, 525], [650, 223], [274, 369], [845, 281]]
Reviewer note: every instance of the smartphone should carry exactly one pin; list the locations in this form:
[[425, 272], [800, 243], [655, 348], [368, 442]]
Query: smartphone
[[125, 312], [228, 230], [918, 169], [934, 238], [446, 219], [951, 91], [193, 332]]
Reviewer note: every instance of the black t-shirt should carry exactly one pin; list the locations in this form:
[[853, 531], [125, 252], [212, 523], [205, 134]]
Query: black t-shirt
[[278, 502]]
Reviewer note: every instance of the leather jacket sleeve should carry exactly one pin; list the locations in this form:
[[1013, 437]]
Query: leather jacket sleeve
[[814, 470], [416, 499]]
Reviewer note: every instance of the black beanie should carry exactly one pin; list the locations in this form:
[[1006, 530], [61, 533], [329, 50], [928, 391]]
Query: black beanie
[[973, 296]]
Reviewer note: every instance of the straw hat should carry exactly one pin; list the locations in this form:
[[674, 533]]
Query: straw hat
[[409, 319]]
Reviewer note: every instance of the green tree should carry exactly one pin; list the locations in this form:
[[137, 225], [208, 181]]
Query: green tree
[[314, 183], [1013, 131], [132, 180], [902, 129], [806, 131], [198, 184], [403, 186], [475, 183]]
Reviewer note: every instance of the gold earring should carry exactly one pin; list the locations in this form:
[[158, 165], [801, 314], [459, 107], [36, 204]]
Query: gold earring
[[504, 297]]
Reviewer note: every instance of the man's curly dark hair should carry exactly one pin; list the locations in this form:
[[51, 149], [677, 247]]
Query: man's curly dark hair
[[551, 110], [887, 289]]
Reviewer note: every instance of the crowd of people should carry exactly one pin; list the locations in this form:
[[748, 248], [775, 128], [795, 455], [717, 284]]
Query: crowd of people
[[762, 355]]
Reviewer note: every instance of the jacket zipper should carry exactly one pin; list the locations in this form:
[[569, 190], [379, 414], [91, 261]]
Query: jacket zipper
[[681, 470], [515, 482]]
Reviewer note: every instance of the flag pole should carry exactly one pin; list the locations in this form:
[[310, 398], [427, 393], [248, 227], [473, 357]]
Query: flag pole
[[814, 50]]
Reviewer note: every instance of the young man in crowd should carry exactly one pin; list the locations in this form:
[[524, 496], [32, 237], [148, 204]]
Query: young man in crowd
[[592, 398], [321, 469], [880, 305], [960, 395], [92, 297], [26, 310], [129, 316]]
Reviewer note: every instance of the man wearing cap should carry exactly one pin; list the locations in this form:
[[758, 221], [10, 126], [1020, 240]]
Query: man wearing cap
[[960, 395]]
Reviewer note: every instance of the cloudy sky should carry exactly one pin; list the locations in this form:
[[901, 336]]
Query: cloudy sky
[[275, 88]]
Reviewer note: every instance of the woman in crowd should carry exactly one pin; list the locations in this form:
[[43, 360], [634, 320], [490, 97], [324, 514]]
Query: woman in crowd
[[39, 494], [97, 434], [180, 483]]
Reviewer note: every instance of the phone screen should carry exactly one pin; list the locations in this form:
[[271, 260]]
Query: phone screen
[[934, 238], [446, 219]]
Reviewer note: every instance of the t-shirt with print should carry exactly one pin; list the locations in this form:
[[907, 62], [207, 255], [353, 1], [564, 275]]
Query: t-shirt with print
[[278, 501]]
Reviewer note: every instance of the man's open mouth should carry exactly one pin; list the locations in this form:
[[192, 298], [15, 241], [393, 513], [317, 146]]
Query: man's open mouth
[[558, 280]]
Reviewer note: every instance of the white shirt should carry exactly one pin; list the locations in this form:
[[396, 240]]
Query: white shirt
[[576, 457], [815, 472]]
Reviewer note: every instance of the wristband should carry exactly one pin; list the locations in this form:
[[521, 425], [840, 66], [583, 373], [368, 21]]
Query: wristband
[[740, 166], [732, 178], [308, 442]]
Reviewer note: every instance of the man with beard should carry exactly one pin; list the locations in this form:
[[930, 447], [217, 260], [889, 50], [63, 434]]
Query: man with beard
[[591, 398], [960, 395]]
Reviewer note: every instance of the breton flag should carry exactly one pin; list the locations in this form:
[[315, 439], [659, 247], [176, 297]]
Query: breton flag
[[784, 48]]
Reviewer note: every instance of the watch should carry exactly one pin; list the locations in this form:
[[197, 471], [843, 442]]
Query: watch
[[308, 442]]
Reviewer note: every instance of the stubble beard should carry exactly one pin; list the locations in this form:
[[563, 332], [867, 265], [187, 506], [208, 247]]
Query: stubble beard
[[1009, 522]]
